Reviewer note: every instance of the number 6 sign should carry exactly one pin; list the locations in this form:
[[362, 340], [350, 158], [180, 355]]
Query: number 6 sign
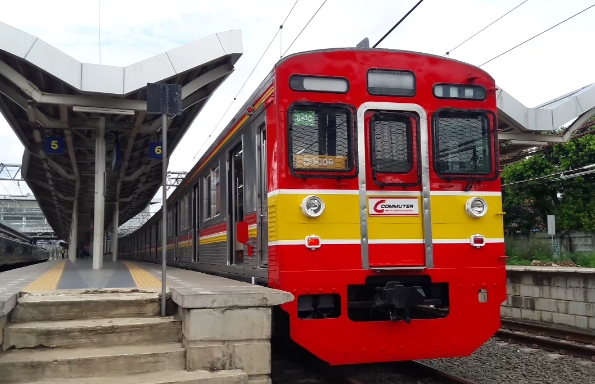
[[155, 150]]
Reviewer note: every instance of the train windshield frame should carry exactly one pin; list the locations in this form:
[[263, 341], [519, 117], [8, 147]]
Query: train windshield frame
[[463, 144], [321, 140]]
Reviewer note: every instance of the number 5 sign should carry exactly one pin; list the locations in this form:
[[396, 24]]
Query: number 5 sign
[[54, 145], [155, 150]]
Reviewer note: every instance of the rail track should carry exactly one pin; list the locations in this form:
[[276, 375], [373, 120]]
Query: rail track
[[293, 365], [562, 341], [406, 373]]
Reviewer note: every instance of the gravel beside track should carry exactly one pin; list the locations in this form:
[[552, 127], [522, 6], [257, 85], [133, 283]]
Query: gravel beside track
[[498, 362]]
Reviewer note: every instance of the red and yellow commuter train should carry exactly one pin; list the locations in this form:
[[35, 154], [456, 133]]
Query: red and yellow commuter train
[[366, 183]]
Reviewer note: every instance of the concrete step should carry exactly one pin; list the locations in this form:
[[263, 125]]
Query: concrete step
[[81, 306], [163, 377], [95, 332], [49, 364]]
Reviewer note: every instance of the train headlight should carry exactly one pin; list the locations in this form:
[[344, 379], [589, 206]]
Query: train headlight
[[312, 206], [476, 207]]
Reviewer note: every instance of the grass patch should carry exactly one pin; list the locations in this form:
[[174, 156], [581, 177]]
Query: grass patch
[[524, 251]]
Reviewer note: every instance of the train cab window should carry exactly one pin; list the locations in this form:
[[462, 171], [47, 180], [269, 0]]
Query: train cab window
[[320, 138], [391, 143], [462, 143]]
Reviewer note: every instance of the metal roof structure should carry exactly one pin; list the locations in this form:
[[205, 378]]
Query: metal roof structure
[[524, 131], [44, 93]]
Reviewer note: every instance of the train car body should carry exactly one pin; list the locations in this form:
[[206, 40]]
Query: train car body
[[16, 248], [366, 183]]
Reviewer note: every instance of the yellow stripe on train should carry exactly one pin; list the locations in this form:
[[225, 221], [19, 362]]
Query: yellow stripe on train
[[341, 219], [221, 237]]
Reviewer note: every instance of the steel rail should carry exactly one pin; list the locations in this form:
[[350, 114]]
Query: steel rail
[[547, 330], [549, 344]]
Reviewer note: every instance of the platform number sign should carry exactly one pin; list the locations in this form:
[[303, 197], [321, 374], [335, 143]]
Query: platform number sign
[[155, 151], [54, 145]]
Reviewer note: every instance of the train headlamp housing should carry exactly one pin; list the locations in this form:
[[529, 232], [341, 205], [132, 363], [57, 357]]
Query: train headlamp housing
[[459, 91], [312, 206], [476, 207]]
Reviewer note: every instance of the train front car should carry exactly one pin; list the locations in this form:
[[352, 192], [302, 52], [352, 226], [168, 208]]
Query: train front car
[[385, 214]]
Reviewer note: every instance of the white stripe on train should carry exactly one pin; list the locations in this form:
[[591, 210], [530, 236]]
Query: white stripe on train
[[377, 193]]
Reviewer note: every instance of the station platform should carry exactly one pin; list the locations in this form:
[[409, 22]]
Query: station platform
[[189, 289], [62, 320], [65, 274]]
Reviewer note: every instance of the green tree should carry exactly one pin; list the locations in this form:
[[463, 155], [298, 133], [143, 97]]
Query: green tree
[[572, 200]]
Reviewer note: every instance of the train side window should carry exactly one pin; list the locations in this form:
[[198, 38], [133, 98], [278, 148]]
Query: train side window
[[212, 194], [321, 138], [216, 190], [207, 197], [462, 143]]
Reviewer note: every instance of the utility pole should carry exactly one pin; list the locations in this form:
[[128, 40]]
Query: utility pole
[[163, 99]]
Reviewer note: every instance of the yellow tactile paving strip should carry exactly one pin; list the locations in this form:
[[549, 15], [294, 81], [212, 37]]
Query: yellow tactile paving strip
[[48, 281], [142, 278]]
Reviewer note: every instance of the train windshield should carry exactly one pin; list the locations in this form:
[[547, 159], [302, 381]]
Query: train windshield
[[320, 138], [462, 143]]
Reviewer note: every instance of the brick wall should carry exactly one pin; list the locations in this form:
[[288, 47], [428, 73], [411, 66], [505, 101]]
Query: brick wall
[[564, 296]]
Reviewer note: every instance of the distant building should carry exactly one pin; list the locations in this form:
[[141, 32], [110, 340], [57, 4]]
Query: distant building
[[23, 214]]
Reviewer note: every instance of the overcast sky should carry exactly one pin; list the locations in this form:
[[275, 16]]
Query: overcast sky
[[133, 30]]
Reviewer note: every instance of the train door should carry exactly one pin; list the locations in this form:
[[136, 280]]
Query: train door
[[195, 207], [395, 201], [262, 196], [236, 198]]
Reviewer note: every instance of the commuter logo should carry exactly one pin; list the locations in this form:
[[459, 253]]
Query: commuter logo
[[399, 206]]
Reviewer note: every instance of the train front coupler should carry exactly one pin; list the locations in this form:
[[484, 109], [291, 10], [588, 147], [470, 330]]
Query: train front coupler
[[396, 300]]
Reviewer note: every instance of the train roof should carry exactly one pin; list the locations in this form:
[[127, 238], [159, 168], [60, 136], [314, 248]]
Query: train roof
[[6, 231], [388, 50]]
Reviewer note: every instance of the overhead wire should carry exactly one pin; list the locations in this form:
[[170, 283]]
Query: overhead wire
[[397, 24], [539, 34], [305, 26], [585, 170], [16, 182], [484, 28], [245, 82], [9, 193]]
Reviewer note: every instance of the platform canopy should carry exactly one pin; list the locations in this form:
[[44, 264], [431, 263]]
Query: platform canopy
[[524, 131], [55, 104]]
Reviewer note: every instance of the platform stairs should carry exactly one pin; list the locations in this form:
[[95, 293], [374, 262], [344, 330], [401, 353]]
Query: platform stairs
[[96, 338]]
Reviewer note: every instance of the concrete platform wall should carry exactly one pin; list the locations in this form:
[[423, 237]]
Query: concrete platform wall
[[563, 296], [226, 324]]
